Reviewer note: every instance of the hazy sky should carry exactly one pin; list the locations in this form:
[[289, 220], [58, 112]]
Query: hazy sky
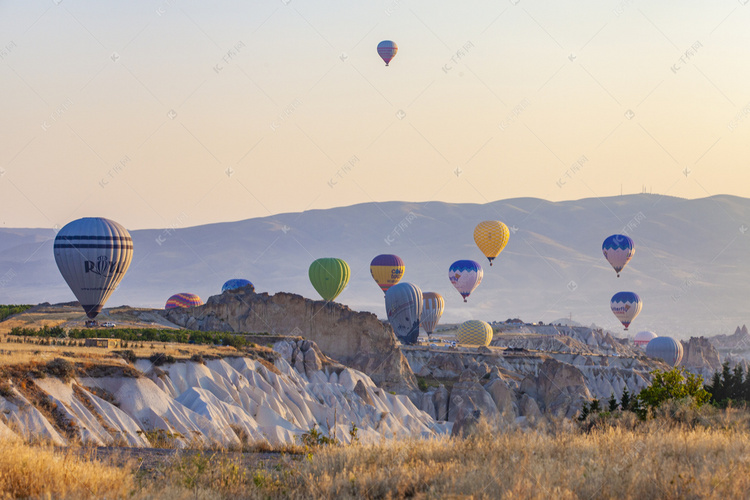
[[163, 113]]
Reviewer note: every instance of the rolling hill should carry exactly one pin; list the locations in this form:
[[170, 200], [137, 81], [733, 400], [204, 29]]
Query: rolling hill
[[690, 266]]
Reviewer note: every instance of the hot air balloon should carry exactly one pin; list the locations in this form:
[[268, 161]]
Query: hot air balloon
[[329, 276], [665, 348], [618, 249], [432, 308], [643, 338], [491, 236], [474, 332], [236, 283], [183, 300], [93, 254], [465, 275], [626, 306], [403, 304], [387, 270], [387, 50]]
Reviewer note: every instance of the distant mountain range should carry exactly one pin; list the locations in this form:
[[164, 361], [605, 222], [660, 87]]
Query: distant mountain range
[[690, 267]]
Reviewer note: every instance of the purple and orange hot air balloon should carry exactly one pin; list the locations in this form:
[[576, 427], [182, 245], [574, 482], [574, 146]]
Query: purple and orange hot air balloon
[[387, 50], [183, 300]]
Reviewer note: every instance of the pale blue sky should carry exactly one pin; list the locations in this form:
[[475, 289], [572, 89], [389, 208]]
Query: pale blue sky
[[182, 113]]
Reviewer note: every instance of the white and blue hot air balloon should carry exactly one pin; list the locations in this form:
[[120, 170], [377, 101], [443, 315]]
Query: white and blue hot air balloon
[[626, 306], [618, 249], [465, 275], [93, 254]]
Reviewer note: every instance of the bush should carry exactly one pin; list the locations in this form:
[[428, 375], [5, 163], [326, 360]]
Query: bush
[[673, 385], [61, 368], [161, 358], [128, 355]]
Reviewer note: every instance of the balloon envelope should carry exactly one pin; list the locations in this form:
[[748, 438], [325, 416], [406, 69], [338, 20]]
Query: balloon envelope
[[183, 300], [465, 275], [387, 270], [93, 254], [432, 309], [491, 236], [329, 276], [618, 249], [474, 332], [626, 306], [236, 283], [387, 50], [643, 338], [403, 304], [665, 348]]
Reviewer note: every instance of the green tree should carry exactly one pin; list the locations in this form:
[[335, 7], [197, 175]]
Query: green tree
[[625, 399], [595, 406], [584, 412], [612, 403], [674, 384]]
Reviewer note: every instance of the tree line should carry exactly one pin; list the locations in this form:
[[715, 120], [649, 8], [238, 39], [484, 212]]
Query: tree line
[[136, 335]]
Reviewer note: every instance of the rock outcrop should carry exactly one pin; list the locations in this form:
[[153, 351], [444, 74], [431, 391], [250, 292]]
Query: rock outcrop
[[356, 339], [220, 402], [559, 388], [700, 356]]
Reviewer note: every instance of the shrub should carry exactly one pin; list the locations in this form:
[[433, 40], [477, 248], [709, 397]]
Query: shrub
[[61, 368], [161, 358], [673, 385], [128, 355]]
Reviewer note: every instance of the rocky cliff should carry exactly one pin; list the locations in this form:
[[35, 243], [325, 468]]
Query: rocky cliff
[[701, 357], [220, 402], [356, 339]]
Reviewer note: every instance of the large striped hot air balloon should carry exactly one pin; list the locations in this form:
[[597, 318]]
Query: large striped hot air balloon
[[626, 306], [403, 304], [387, 270], [665, 348], [329, 276], [387, 50], [93, 255], [474, 332], [618, 249], [433, 305], [491, 236], [236, 283], [465, 275], [183, 299]]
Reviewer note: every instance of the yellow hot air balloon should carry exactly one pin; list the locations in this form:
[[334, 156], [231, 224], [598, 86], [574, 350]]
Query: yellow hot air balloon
[[491, 236], [475, 332]]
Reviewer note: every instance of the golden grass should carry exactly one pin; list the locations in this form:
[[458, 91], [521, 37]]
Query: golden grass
[[610, 463], [44, 472], [12, 353], [656, 460]]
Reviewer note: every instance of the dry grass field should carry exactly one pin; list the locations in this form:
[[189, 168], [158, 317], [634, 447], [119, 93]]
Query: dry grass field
[[12, 353], [661, 458]]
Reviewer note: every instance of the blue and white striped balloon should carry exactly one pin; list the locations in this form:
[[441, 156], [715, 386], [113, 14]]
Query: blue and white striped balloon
[[93, 254]]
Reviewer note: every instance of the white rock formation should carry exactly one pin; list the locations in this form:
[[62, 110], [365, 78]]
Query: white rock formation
[[223, 402]]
